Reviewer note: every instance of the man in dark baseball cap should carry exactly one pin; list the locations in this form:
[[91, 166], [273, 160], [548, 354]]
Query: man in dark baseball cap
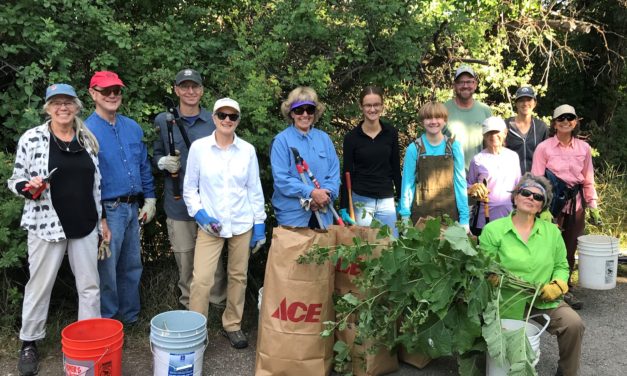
[[197, 123]]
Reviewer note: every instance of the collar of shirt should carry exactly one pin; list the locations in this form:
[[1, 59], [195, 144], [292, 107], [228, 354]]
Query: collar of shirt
[[214, 143], [203, 115], [300, 133], [384, 129], [555, 142], [534, 230]]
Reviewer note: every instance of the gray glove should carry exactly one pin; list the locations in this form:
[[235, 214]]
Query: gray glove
[[104, 252], [170, 163]]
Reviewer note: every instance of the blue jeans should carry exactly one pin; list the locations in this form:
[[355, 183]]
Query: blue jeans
[[380, 209], [120, 273]]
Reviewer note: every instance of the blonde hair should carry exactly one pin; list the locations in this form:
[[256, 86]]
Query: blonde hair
[[84, 136], [302, 93], [431, 110]]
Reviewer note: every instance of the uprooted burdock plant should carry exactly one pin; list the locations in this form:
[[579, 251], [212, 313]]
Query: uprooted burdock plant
[[428, 291]]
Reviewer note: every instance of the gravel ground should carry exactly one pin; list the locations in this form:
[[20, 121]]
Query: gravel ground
[[604, 346]]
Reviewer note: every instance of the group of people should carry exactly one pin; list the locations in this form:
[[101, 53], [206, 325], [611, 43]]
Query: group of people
[[213, 197]]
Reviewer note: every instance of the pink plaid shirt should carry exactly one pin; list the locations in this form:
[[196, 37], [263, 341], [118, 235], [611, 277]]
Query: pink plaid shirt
[[571, 163]]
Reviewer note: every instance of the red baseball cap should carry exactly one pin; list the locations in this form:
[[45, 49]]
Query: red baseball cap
[[105, 79]]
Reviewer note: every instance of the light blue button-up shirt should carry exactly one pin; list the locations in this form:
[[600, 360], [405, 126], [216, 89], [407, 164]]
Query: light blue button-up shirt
[[317, 149], [123, 157]]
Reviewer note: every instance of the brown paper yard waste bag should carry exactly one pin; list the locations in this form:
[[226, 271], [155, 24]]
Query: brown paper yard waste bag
[[297, 299], [364, 360]]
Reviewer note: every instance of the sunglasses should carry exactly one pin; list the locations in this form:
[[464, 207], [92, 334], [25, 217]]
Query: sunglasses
[[569, 117], [222, 116], [536, 196], [116, 90], [310, 110]]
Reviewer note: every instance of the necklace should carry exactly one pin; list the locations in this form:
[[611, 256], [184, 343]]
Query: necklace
[[66, 144]]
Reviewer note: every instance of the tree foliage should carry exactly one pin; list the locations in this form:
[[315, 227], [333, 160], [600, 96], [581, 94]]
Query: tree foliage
[[257, 51]]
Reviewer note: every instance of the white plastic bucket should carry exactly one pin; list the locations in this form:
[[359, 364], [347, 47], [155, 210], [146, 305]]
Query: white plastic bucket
[[598, 261], [533, 335], [178, 340]]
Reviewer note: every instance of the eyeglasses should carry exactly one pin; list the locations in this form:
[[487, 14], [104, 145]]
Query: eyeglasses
[[373, 106], [465, 82], [61, 104], [310, 110], [116, 90], [536, 196], [569, 117], [222, 116], [186, 87]]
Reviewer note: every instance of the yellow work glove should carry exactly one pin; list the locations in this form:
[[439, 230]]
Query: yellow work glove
[[553, 290], [479, 190], [595, 217]]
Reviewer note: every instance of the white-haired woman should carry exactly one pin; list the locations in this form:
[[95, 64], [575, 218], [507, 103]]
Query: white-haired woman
[[56, 171], [492, 175]]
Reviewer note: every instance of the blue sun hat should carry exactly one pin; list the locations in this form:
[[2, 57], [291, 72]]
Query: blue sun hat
[[60, 89]]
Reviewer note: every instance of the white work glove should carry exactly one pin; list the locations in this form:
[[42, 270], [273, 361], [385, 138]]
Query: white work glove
[[104, 251], [147, 212], [467, 228], [170, 163]]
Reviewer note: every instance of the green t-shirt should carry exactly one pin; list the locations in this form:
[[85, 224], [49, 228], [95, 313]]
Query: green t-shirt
[[539, 261], [465, 125]]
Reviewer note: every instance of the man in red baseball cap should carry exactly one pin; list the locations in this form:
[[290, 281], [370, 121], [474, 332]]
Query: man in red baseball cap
[[126, 182]]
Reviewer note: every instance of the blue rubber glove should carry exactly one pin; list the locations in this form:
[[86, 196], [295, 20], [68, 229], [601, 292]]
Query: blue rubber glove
[[208, 224], [346, 217], [259, 237]]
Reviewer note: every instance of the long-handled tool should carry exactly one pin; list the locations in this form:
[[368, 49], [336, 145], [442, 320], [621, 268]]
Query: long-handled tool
[[304, 202], [486, 206], [303, 167], [351, 210], [176, 188], [44, 184]]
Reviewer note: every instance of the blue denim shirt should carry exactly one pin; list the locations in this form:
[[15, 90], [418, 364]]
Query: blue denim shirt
[[318, 151], [123, 157]]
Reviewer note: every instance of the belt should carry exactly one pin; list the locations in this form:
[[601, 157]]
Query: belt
[[124, 199]]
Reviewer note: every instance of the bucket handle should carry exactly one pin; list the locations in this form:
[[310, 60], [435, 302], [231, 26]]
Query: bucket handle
[[545, 317], [168, 363], [95, 363]]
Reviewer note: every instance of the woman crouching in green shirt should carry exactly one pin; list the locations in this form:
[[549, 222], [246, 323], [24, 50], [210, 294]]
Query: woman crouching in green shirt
[[533, 249]]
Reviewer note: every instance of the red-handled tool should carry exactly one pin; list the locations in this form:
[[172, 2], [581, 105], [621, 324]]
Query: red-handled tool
[[44, 184], [302, 167]]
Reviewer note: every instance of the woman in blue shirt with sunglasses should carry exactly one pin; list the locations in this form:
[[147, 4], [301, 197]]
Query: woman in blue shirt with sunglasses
[[296, 202]]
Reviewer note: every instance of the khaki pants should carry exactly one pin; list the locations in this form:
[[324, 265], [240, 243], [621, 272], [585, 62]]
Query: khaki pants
[[182, 236], [569, 328], [206, 259]]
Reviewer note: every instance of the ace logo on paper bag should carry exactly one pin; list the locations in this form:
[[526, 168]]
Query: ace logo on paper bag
[[298, 311]]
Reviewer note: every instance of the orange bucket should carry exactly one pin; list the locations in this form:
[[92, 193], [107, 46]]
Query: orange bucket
[[93, 347]]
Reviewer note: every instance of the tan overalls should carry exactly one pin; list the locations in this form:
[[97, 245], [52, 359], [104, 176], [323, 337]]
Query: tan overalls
[[435, 193]]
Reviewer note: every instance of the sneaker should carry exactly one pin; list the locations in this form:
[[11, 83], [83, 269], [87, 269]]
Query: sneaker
[[572, 301], [28, 364], [237, 338]]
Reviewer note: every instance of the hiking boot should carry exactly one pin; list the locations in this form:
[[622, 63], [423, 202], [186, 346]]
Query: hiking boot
[[237, 338], [572, 301], [28, 364]]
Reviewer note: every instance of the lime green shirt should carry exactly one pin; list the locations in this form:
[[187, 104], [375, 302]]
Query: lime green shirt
[[538, 261]]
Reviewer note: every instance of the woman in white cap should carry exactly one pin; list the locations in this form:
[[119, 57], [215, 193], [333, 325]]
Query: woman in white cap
[[525, 131], [567, 162], [56, 171], [492, 175], [222, 191]]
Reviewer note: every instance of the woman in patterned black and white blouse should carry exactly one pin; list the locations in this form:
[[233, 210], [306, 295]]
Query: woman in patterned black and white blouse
[[60, 214]]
